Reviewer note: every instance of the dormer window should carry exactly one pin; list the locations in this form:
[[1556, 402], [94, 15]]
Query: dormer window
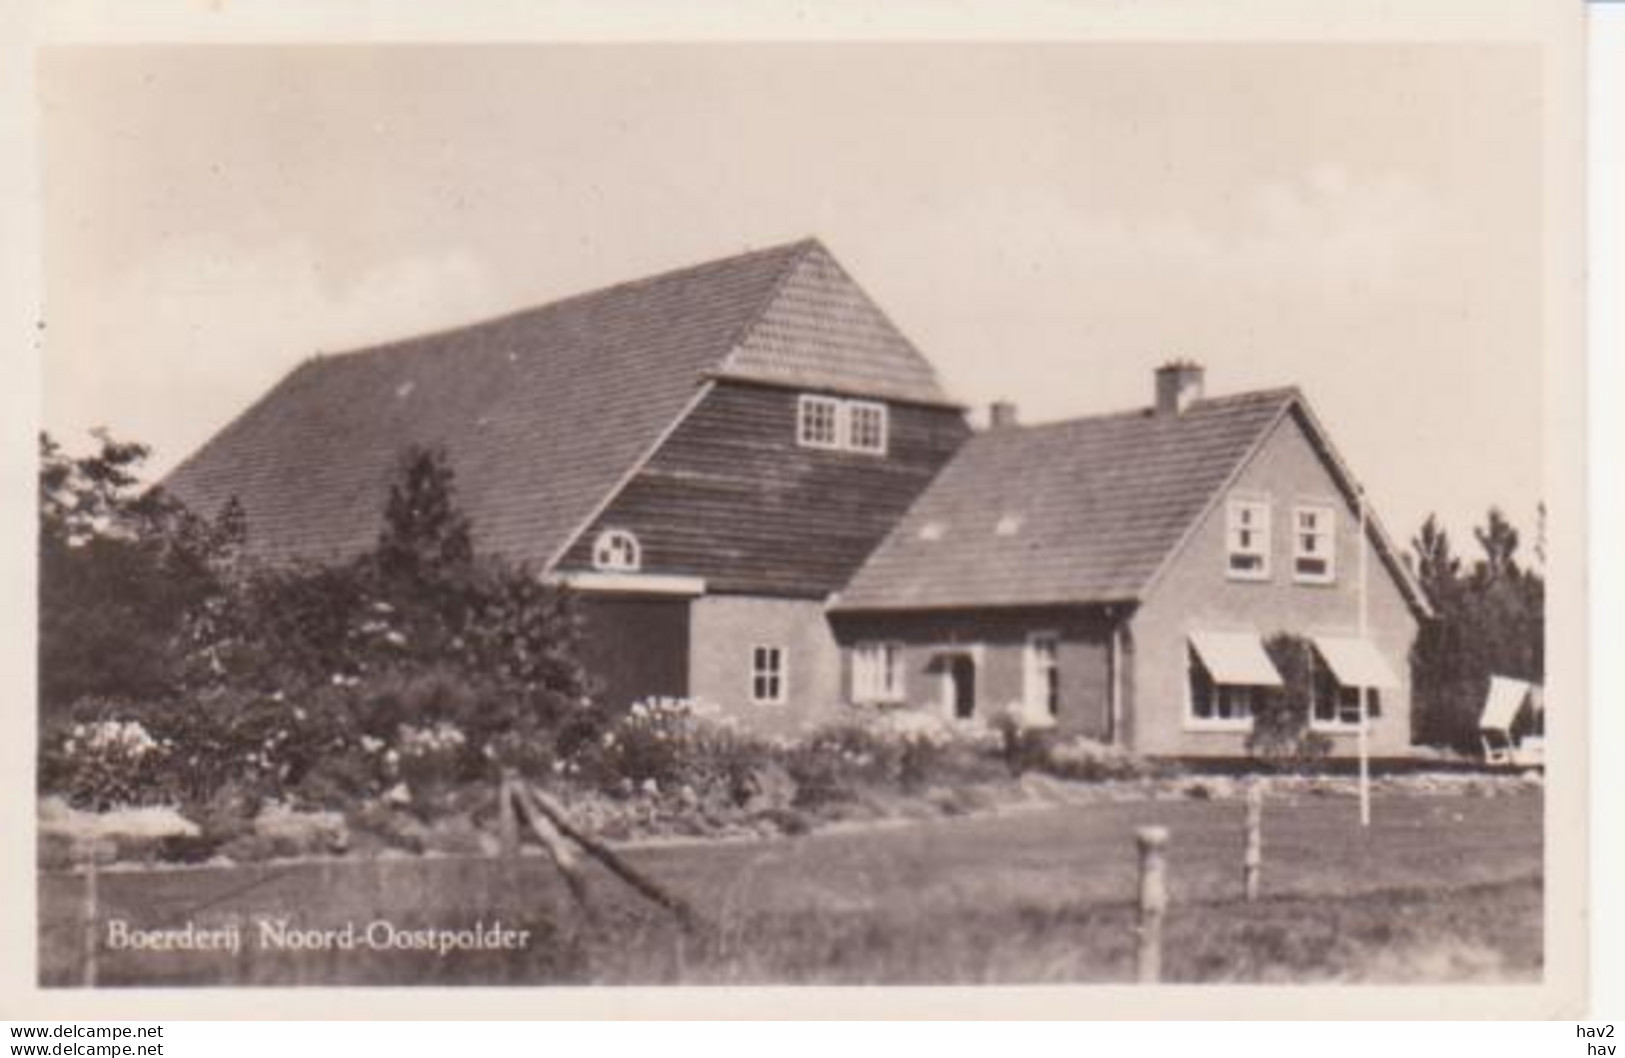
[[617, 551], [841, 425], [818, 422], [1247, 539]]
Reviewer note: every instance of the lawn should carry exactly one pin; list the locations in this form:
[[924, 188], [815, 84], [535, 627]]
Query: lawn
[[1440, 888]]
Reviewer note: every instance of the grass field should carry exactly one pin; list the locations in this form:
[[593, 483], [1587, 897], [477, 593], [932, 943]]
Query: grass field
[[1441, 888]]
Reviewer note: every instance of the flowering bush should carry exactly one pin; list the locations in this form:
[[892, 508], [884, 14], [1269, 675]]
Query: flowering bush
[[896, 749], [1085, 760], [674, 747], [105, 763], [650, 744], [432, 761]]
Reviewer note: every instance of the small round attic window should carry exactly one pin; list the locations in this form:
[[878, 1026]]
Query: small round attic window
[[617, 550]]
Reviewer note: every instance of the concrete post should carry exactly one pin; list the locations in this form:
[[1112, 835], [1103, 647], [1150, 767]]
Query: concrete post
[[1153, 901], [1253, 857]]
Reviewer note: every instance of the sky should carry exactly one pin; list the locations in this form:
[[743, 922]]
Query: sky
[[1047, 223]]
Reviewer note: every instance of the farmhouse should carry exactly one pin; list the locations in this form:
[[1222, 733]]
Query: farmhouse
[[764, 499]]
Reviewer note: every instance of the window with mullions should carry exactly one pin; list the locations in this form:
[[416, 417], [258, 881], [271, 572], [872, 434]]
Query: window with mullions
[[1218, 703], [866, 426], [1247, 536], [877, 672], [617, 551], [767, 675], [1334, 704], [1043, 689], [818, 422], [1314, 554]]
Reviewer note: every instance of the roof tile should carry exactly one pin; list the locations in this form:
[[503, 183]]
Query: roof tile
[[1101, 502], [543, 411]]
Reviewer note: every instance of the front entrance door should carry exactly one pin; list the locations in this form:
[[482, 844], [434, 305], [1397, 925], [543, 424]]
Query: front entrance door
[[962, 685]]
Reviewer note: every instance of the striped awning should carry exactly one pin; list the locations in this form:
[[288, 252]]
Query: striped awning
[[1356, 662], [1235, 658]]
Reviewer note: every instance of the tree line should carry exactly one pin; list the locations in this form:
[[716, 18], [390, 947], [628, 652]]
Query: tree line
[[1489, 619], [266, 675]]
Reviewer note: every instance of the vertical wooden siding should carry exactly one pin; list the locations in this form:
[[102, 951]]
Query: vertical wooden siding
[[635, 647]]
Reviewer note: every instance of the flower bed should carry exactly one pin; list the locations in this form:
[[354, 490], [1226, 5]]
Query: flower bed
[[665, 769]]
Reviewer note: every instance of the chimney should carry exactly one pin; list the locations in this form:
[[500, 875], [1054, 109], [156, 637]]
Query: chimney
[[1179, 382], [1001, 414]]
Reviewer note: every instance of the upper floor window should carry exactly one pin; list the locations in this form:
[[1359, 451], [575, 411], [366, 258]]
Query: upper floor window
[[767, 675], [1314, 555], [866, 426], [1247, 538], [877, 672], [848, 425], [818, 422], [617, 551], [1043, 675]]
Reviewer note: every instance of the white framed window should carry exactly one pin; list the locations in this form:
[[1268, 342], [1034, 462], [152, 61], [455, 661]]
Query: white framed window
[[818, 422], [769, 678], [1334, 705], [1042, 691], [1214, 705], [1314, 549], [866, 426], [843, 425], [1247, 539], [877, 672], [617, 551]]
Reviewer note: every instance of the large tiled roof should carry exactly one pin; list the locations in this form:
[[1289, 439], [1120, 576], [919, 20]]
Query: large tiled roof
[[1071, 512], [542, 412]]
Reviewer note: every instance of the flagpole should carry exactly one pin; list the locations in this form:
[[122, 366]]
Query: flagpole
[[1365, 742]]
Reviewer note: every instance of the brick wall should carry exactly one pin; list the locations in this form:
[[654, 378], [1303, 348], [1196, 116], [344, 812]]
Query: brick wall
[[996, 641], [1195, 594], [725, 630]]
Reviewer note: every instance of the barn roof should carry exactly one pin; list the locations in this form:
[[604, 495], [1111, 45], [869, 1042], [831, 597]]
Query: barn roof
[[543, 412], [1083, 511]]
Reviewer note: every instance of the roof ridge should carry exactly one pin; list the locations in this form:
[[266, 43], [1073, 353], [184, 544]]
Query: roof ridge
[[1145, 411], [795, 251], [801, 249]]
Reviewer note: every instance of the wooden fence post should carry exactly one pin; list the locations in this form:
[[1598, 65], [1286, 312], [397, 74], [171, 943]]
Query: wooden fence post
[[1253, 858], [90, 920], [96, 851], [554, 844], [507, 817], [1153, 901]]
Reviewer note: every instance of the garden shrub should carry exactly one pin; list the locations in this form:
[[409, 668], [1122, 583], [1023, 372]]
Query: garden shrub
[[835, 761], [902, 749], [1085, 760], [105, 762], [1022, 747], [680, 749], [1282, 738], [419, 665]]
